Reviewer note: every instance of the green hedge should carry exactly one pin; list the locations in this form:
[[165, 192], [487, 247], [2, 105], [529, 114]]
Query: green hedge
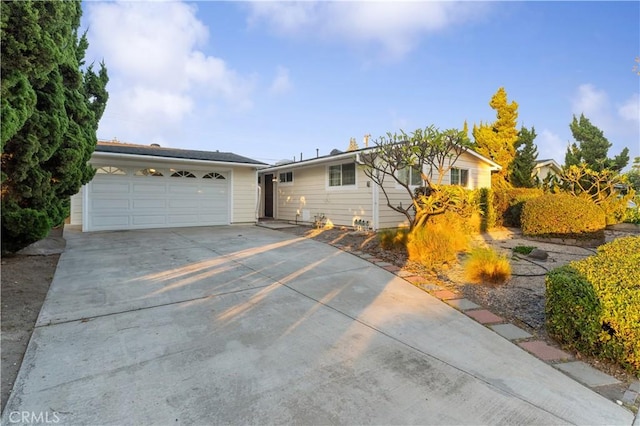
[[508, 203], [593, 305], [562, 215], [486, 204]]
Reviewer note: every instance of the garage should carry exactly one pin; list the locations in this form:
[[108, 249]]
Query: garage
[[121, 198], [138, 187]]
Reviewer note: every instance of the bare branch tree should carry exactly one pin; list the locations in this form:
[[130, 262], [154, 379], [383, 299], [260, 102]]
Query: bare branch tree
[[429, 151]]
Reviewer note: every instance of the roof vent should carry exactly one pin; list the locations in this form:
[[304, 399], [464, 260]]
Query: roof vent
[[157, 145], [335, 151]]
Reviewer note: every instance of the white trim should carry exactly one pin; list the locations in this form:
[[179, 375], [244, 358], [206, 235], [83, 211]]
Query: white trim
[[495, 166], [85, 207], [293, 177], [375, 210], [98, 155], [356, 154], [332, 159], [230, 199], [341, 187]]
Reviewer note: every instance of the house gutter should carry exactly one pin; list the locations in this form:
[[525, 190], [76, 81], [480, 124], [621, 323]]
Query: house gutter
[[325, 159], [494, 166], [115, 155]]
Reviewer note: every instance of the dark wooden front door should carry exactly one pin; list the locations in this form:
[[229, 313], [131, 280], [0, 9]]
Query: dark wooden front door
[[268, 195]]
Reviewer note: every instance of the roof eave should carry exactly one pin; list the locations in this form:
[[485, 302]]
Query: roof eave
[[314, 161], [119, 155]]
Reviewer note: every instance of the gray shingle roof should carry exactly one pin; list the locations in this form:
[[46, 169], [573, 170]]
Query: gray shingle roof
[[156, 151]]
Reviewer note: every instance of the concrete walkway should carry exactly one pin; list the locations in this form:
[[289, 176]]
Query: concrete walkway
[[245, 325]]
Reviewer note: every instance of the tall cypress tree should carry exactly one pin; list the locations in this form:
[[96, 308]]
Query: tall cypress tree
[[52, 107], [592, 148], [525, 159], [496, 140]]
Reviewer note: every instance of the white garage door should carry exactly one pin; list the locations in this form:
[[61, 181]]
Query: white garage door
[[149, 198]]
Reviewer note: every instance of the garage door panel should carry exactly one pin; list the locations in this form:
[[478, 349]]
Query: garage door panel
[[107, 222], [206, 207], [106, 204], [158, 219], [186, 203], [184, 219], [213, 190], [183, 189], [110, 187], [149, 203], [146, 188], [137, 202]]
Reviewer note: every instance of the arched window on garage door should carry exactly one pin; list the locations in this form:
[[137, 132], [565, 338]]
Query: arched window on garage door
[[213, 175], [148, 172], [110, 170], [182, 173]]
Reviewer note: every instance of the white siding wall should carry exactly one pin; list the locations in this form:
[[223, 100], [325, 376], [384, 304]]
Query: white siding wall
[[544, 171], [245, 183], [76, 208], [309, 195], [479, 177]]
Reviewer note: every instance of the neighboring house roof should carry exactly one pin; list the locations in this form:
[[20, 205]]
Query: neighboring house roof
[[187, 154], [548, 163], [344, 155]]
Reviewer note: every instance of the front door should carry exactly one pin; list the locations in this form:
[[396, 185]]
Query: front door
[[268, 196]]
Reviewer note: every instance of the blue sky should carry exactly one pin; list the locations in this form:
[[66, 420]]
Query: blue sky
[[273, 80]]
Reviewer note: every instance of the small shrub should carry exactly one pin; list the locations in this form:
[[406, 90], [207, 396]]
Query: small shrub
[[447, 199], [486, 203], [523, 249], [509, 202], [484, 264], [393, 239], [615, 209], [562, 215], [593, 304], [437, 242]]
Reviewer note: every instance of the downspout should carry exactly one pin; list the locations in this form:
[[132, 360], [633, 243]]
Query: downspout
[[258, 198]]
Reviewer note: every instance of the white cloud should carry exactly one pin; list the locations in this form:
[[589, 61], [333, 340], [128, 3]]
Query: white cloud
[[281, 83], [157, 69], [551, 146], [630, 110], [396, 27], [591, 102]]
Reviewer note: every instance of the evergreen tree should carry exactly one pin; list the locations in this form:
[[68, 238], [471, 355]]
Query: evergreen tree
[[497, 140], [50, 109], [592, 148], [525, 159], [633, 176]]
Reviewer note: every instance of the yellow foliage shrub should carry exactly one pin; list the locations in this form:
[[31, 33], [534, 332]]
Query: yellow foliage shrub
[[486, 265], [438, 241], [393, 239]]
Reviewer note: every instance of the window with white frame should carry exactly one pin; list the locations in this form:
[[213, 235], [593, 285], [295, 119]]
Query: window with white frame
[[460, 177], [285, 177], [410, 175], [342, 174]]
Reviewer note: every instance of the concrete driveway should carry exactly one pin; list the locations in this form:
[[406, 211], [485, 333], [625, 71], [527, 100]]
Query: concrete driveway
[[245, 325]]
